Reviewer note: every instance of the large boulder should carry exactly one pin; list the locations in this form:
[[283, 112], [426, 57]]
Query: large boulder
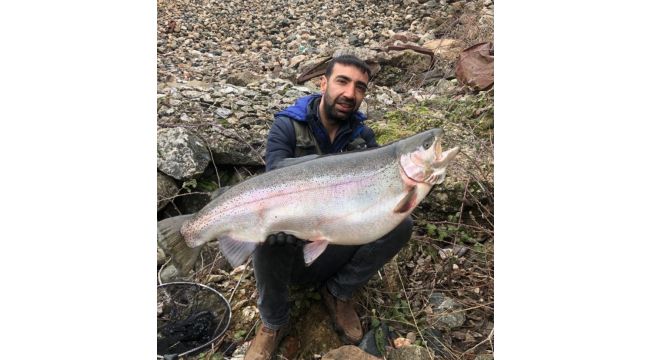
[[181, 154]]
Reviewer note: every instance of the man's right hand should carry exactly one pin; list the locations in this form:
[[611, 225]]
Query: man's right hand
[[284, 239]]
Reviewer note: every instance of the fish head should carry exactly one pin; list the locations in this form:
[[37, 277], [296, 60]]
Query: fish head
[[422, 159]]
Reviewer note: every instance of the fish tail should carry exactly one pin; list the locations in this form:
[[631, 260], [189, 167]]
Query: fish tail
[[172, 242]]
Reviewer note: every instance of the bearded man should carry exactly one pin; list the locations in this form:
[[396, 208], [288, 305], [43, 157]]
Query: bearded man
[[319, 124]]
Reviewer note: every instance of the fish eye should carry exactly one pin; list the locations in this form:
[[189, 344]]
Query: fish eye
[[427, 144]]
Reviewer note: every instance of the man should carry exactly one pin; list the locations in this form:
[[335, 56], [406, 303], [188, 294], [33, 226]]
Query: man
[[319, 124]]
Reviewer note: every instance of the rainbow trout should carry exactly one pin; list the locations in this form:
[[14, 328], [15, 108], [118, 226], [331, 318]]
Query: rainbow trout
[[346, 199]]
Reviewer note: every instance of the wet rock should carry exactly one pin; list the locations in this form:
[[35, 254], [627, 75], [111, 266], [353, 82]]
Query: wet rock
[[166, 189], [348, 352], [410, 352], [181, 154]]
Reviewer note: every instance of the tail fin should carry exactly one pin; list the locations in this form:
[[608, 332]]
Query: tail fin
[[172, 242]]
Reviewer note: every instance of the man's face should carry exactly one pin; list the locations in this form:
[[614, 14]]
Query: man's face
[[343, 91]]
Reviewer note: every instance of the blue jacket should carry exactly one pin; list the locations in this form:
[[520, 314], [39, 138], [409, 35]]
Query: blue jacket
[[281, 141]]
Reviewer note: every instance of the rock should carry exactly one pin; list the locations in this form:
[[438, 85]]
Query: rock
[[369, 342], [166, 189], [410, 352], [348, 352], [223, 113], [436, 299], [297, 60], [447, 49], [445, 87], [354, 41], [181, 154], [447, 314], [240, 351], [238, 146], [243, 78], [411, 336], [161, 257], [401, 342], [169, 273]]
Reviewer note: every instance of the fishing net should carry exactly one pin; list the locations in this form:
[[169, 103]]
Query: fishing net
[[190, 317]]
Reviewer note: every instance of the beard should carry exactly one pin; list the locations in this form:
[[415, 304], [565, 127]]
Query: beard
[[334, 114]]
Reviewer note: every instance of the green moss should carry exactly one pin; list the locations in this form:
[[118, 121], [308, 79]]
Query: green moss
[[472, 111]]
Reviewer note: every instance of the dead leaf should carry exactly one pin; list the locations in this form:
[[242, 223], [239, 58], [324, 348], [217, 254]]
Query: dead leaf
[[475, 68]]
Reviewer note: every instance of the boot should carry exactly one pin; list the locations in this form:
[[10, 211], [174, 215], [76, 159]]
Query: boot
[[265, 343], [345, 318]]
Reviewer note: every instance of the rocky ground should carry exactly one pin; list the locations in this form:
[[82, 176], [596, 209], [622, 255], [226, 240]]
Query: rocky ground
[[224, 69]]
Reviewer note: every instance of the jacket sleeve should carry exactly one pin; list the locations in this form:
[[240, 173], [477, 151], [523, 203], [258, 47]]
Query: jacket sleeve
[[281, 142], [369, 136]]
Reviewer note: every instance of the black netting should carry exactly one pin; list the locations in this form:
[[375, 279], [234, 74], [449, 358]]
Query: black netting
[[190, 317]]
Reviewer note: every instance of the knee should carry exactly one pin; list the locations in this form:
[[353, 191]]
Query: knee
[[403, 231], [399, 236]]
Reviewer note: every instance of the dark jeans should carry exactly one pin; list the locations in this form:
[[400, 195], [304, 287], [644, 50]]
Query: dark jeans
[[344, 269]]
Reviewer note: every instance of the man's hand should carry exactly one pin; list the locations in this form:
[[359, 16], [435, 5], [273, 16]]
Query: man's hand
[[283, 239]]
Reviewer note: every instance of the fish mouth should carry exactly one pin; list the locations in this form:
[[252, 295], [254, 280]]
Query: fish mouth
[[437, 148], [442, 158], [428, 163], [437, 157]]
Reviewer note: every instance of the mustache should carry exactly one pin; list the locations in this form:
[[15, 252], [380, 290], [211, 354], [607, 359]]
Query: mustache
[[345, 101]]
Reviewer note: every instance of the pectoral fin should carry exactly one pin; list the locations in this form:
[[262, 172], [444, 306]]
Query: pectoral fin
[[235, 251], [313, 250], [408, 202]]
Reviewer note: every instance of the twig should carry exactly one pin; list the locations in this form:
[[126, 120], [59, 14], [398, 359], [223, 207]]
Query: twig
[[214, 164], [240, 279], [408, 302], [161, 269], [488, 338], [460, 212], [190, 193]]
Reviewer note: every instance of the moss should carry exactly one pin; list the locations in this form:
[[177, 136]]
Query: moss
[[472, 111]]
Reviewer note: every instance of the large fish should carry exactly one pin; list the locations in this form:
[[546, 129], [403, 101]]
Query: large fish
[[348, 199]]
